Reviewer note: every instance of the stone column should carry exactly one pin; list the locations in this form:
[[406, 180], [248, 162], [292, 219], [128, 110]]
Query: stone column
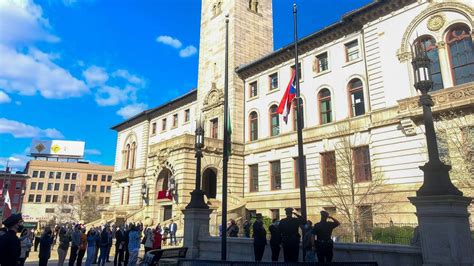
[[444, 65], [444, 229], [196, 225]]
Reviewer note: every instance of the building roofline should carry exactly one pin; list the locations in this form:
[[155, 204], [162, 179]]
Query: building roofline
[[147, 114], [350, 22]]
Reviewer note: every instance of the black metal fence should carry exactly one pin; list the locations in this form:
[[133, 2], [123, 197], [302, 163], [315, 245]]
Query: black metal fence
[[248, 263], [384, 233]]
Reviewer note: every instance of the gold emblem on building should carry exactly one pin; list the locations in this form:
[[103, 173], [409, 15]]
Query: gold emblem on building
[[436, 22], [40, 147], [55, 148]]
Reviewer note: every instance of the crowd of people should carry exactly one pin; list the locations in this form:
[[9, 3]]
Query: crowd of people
[[94, 243]]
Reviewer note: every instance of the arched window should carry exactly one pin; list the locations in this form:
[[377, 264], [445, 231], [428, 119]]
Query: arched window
[[295, 113], [461, 54], [133, 151], [356, 95], [253, 119], [127, 156], [324, 98], [428, 43], [274, 121]]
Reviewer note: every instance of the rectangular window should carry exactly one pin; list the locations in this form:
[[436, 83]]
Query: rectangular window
[[66, 211], [101, 200], [31, 198], [74, 176], [103, 178], [58, 175], [66, 187], [38, 198], [365, 218], [94, 188], [214, 128], [56, 187], [163, 124], [89, 177], [299, 70], [275, 214], [109, 178], [153, 128], [35, 173], [71, 199], [322, 63], [55, 198], [331, 210], [107, 189], [296, 171], [175, 120], [275, 172], [42, 174], [73, 187], [16, 199], [18, 185], [64, 199], [253, 89], [48, 198], [67, 176], [107, 200], [40, 186], [273, 78], [328, 167], [352, 50], [362, 168], [51, 174], [49, 210], [187, 116], [33, 185], [94, 178], [102, 189], [50, 186], [88, 188], [253, 181]]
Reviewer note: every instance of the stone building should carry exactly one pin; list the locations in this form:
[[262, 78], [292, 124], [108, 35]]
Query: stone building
[[357, 88]]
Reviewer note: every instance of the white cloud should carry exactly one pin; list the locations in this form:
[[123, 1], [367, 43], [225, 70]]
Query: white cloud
[[4, 98], [122, 73], [95, 76], [109, 96], [131, 110], [92, 152], [16, 162], [188, 51], [22, 130], [168, 40]]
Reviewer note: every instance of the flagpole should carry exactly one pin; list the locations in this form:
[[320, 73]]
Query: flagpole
[[299, 121], [225, 158]]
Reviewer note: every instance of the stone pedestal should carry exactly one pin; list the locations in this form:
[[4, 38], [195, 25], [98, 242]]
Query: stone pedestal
[[196, 225], [444, 229]]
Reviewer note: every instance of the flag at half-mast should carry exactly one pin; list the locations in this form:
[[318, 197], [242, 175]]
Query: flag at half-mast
[[7, 200], [285, 103]]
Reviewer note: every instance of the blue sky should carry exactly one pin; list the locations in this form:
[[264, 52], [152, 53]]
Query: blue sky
[[71, 69]]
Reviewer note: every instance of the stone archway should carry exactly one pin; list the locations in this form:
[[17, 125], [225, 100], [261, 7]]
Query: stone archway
[[209, 182], [162, 182]]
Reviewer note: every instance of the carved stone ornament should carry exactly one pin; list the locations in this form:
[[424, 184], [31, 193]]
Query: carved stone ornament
[[163, 155], [436, 22], [214, 98]]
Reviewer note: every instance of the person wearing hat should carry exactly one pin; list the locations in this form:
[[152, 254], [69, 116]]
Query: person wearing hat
[[290, 236], [10, 246], [323, 231], [259, 238]]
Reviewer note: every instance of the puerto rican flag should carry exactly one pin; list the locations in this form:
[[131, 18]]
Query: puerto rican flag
[[290, 94]]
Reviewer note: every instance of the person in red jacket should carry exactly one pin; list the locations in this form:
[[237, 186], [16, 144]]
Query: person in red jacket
[[157, 238]]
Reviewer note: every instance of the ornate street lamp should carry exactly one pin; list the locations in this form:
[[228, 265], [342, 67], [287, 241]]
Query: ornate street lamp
[[436, 179], [197, 195]]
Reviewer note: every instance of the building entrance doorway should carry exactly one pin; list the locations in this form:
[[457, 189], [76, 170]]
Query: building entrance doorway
[[167, 212], [209, 183], [162, 183]]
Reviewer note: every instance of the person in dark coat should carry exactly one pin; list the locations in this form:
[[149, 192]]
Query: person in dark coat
[[126, 240], [246, 228], [233, 229], [259, 238], [275, 239], [290, 237], [323, 231], [119, 246], [10, 246], [46, 242]]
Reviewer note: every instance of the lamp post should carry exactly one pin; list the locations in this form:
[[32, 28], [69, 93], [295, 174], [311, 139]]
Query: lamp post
[[197, 195], [144, 192], [23, 192], [436, 179]]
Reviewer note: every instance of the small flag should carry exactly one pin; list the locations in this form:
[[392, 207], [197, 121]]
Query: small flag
[[290, 94], [7, 200]]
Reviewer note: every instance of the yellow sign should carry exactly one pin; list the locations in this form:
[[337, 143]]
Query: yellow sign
[[55, 148]]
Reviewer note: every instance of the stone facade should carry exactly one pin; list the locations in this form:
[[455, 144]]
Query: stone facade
[[370, 45]]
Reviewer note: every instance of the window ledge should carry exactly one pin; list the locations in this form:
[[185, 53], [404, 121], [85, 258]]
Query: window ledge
[[253, 98], [352, 62], [322, 73], [273, 91]]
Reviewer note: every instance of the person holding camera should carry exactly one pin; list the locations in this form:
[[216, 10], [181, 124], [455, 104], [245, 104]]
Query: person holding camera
[[323, 231], [290, 237]]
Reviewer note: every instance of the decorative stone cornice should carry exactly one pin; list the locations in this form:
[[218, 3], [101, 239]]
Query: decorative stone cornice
[[126, 175], [214, 98]]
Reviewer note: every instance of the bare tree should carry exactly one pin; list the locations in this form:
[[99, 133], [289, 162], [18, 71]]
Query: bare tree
[[455, 134], [65, 213], [355, 185], [87, 205]]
